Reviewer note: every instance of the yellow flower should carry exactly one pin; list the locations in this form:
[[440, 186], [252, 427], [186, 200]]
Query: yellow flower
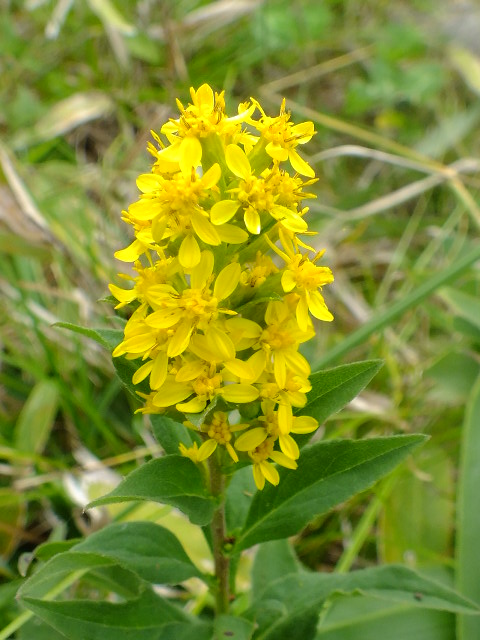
[[255, 196], [204, 117], [306, 279], [260, 454], [282, 137], [209, 325]]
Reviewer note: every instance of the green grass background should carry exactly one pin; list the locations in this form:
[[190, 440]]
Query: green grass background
[[393, 89]]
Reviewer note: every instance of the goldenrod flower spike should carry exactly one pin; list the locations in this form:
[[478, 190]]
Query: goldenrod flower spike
[[216, 319]]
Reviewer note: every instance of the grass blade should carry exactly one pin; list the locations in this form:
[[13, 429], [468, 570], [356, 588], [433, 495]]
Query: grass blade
[[468, 516]]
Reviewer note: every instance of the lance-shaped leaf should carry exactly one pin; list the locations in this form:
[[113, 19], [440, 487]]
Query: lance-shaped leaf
[[332, 389], [302, 594], [108, 338], [174, 480], [147, 617], [146, 548], [328, 473]]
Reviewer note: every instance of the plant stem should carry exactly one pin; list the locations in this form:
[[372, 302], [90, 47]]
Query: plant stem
[[218, 527]]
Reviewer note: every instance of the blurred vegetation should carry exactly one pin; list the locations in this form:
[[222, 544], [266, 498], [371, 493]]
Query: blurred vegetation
[[393, 90]]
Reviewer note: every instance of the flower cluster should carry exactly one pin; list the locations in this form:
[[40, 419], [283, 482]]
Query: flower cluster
[[224, 288]]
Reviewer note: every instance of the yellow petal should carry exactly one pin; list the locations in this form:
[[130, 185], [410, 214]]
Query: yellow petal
[[189, 252], [240, 393], [212, 176], [283, 460], [249, 440], [220, 343], [297, 363], [204, 229], [207, 449], [280, 369], [159, 371], [227, 281], [145, 209], [240, 369], [163, 318], [190, 371], [202, 271], [285, 418], [231, 234], [171, 393], [302, 314], [130, 253], [258, 362], [237, 161], [190, 154], [304, 424], [288, 280], [123, 295], [180, 339], [290, 219], [231, 451], [223, 211], [318, 308], [139, 343], [141, 373], [202, 349], [300, 165], [303, 131], [258, 477], [204, 98], [252, 221], [270, 473], [148, 182], [276, 151], [289, 446], [195, 405]]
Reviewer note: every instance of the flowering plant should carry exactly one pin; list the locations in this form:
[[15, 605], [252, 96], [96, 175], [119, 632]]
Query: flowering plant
[[226, 287]]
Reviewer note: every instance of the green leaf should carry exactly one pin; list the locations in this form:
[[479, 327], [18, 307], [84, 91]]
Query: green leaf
[[169, 433], [147, 549], [468, 515], [296, 595], [332, 389], [232, 628], [37, 417], [147, 617], [364, 618], [328, 473], [273, 560], [174, 480], [108, 338], [125, 369]]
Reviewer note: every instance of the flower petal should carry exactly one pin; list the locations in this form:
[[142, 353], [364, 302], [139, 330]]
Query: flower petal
[[223, 211], [237, 161], [300, 165], [249, 440], [189, 252], [240, 393], [227, 281], [231, 234], [204, 229]]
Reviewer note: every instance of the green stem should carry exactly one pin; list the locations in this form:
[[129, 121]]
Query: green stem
[[218, 527]]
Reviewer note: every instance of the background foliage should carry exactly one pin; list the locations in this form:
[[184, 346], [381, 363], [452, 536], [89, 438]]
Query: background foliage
[[393, 90]]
